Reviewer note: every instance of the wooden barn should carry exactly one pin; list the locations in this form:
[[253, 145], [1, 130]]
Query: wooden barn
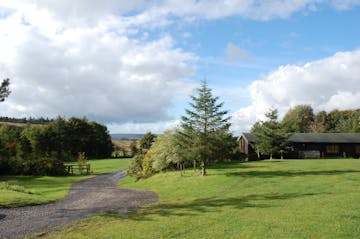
[[310, 145]]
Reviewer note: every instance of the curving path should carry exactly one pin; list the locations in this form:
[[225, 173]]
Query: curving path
[[94, 195]]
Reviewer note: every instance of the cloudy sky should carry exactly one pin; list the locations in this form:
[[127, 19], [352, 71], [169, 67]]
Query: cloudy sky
[[133, 64]]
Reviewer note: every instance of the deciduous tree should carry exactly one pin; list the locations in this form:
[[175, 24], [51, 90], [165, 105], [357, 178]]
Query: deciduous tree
[[299, 119]]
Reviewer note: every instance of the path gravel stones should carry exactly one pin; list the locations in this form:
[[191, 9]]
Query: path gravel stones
[[94, 195]]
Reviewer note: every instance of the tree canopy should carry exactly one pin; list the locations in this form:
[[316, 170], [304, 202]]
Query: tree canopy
[[298, 119], [4, 89], [147, 140], [271, 138], [301, 119]]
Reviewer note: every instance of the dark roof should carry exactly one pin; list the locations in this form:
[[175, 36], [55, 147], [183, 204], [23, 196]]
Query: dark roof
[[249, 137], [316, 137], [325, 138]]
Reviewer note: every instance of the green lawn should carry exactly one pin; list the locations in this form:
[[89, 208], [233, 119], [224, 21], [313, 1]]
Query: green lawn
[[29, 190], [269, 199]]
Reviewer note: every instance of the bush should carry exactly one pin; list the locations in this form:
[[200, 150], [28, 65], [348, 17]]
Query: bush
[[135, 167]]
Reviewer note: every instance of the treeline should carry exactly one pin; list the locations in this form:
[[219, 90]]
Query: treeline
[[42, 150], [302, 119], [24, 120]]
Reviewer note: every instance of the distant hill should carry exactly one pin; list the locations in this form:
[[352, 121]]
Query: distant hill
[[126, 136]]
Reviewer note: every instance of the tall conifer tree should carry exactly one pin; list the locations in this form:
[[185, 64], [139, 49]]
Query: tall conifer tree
[[203, 124]]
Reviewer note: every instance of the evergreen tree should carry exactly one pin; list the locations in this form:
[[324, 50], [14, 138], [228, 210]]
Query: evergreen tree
[[4, 89], [202, 125], [271, 138]]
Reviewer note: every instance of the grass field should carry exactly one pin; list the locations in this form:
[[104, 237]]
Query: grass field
[[269, 199], [28, 190]]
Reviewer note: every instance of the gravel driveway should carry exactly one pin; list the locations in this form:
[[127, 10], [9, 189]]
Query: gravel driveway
[[94, 195]]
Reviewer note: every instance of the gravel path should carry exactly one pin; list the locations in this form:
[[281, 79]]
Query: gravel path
[[94, 195]]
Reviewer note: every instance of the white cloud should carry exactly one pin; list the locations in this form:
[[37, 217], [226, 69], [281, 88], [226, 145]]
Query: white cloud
[[251, 9], [345, 4], [80, 9], [96, 58], [326, 84], [155, 127], [160, 13], [56, 69]]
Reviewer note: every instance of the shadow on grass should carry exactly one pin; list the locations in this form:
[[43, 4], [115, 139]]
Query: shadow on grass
[[268, 174], [234, 164], [205, 205]]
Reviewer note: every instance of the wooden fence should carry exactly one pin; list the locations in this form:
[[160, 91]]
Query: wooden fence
[[81, 169]]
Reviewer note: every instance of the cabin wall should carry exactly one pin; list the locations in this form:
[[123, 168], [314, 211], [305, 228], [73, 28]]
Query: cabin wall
[[327, 149], [246, 148], [305, 150]]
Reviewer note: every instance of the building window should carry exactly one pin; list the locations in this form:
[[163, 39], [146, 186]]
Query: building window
[[332, 149]]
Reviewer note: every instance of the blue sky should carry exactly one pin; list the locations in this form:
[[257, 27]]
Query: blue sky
[[132, 65]]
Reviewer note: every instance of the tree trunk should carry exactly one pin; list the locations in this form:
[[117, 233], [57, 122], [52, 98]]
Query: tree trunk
[[195, 165], [182, 169], [271, 157], [203, 169]]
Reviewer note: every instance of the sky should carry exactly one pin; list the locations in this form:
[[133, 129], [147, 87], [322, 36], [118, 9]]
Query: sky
[[132, 65]]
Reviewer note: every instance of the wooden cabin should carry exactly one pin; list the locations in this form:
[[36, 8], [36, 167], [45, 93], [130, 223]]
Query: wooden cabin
[[309, 145]]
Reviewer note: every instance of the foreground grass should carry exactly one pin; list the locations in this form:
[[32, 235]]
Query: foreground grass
[[269, 199], [29, 190]]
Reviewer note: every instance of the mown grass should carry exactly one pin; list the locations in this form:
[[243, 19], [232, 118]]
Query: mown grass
[[269, 199], [29, 190]]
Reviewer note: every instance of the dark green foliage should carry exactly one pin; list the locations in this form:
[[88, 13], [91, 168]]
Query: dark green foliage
[[100, 141], [4, 89], [24, 120], [202, 139], [147, 140], [205, 128], [271, 138], [133, 148], [42, 150]]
